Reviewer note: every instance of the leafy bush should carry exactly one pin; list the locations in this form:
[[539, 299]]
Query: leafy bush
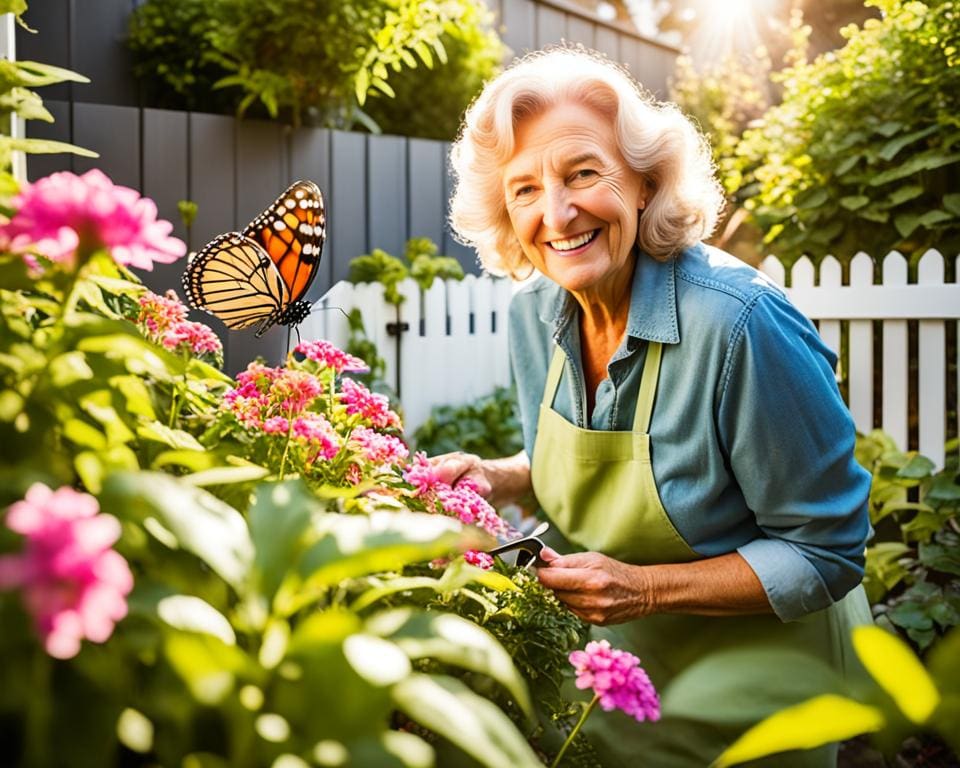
[[420, 262], [862, 151], [313, 62], [488, 427], [913, 566], [474, 54]]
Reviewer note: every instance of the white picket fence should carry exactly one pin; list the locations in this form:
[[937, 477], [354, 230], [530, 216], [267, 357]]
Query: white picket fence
[[850, 308], [454, 348]]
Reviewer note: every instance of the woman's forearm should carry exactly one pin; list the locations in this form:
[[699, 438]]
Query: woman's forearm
[[717, 586], [509, 478]]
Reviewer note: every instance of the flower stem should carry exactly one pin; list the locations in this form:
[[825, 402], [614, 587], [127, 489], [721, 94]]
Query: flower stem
[[583, 718], [286, 447]]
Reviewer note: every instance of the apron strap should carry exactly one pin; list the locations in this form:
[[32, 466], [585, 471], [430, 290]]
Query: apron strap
[[553, 376], [648, 387]]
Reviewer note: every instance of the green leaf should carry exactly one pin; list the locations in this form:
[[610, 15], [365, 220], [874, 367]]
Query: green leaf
[[846, 164], [927, 161], [206, 664], [904, 194], [175, 438], [44, 147], [362, 85], [84, 434], [378, 661], [952, 203], [821, 720], [893, 147], [246, 473], [910, 615], [191, 614], [941, 557], [898, 671], [452, 640], [854, 202], [906, 223], [475, 725], [424, 53], [777, 678], [934, 217], [888, 128], [34, 74], [917, 467], [202, 524], [94, 466], [279, 516]]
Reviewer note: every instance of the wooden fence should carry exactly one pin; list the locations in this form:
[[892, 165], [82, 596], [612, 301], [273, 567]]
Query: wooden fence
[[455, 346], [893, 336]]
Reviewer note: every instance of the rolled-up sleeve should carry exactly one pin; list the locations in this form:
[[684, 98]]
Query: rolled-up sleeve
[[790, 439]]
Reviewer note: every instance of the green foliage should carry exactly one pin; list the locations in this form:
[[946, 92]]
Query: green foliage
[[474, 54], [862, 151], [913, 568], [17, 99], [313, 62], [420, 262], [488, 427]]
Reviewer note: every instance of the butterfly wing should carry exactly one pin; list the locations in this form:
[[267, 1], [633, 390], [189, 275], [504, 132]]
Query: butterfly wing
[[234, 279], [292, 232]]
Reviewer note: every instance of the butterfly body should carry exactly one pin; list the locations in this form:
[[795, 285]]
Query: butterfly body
[[258, 277]]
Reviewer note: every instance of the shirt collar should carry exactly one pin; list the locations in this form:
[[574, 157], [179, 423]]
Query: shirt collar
[[653, 303]]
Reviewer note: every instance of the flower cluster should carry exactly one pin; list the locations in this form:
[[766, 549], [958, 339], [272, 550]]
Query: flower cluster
[[377, 448], [372, 407], [617, 679], [461, 501], [326, 354], [163, 320], [479, 559], [73, 583], [63, 213]]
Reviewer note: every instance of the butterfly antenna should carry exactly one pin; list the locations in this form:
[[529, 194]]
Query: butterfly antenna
[[321, 309]]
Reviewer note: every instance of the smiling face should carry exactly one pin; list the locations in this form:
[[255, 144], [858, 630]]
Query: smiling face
[[573, 202]]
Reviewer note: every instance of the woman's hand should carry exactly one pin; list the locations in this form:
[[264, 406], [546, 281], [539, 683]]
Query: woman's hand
[[501, 481], [597, 588]]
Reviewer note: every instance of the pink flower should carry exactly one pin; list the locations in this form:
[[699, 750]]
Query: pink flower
[[294, 390], [371, 406], [378, 448], [323, 352], [197, 337], [420, 474], [157, 313], [64, 213], [479, 559], [276, 425], [617, 678], [263, 393], [315, 432], [74, 584]]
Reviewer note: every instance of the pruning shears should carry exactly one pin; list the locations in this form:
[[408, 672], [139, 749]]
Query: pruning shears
[[526, 549]]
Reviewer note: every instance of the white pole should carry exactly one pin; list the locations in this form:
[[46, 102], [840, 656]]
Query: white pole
[[8, 51]]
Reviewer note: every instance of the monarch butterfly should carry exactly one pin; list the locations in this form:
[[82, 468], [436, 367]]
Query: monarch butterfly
[[259, 276]]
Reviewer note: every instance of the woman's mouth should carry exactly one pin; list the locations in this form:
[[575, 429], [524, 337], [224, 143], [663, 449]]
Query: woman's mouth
[[574, 244]]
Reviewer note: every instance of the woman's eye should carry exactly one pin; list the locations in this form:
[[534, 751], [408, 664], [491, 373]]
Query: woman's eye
[[585, 173], [520, 192]]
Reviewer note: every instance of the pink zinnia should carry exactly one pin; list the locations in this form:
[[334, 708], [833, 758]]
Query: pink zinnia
[[73, 583], [325, 353], [378, 448], [373, 407], [479, 559], [64, 213], [617, 679]]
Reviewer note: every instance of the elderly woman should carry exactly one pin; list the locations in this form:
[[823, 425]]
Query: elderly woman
[[682, 424]]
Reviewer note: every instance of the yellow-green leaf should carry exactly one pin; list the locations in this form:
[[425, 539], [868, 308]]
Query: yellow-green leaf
[[898, 671], [821, 720]]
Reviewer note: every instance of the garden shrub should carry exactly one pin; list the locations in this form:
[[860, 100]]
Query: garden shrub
[[862, 151], [311, 63], [488, 427]]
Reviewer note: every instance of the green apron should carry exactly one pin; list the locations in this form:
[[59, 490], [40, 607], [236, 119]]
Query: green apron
[[598, 489]]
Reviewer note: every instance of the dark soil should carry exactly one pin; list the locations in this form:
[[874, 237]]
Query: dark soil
[[919, 752]]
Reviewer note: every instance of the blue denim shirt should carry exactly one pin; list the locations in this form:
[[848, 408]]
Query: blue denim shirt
[[752, 446]]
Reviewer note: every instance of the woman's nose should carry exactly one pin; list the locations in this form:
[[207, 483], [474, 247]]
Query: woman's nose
[[560, 209]]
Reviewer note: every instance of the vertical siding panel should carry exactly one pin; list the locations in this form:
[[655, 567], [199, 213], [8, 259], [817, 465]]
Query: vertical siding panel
[[387, 193], [347, 199], [518, 20], [550, 26], [43, 165], [608, 42], [113, 132], [450, 247], [165, 182], [895, 359], [212, 176], [580, 31], [98, 51], [831, 277], [51, 44], [310, 159], [425, 189]]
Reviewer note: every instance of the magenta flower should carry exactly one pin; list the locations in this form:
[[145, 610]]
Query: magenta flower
[[316, 434], [196, 337], [377, 448], [63, 213], [479, 559], [158, 313], [421, 474], [325, 353], [617, 680], [264, 393], [371, 406], [73, 583]]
